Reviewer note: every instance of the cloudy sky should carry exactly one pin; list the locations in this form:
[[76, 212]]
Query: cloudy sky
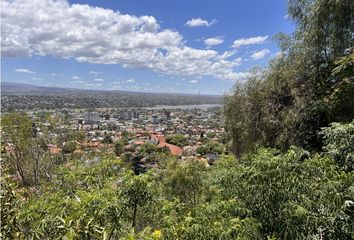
[[138, 45]]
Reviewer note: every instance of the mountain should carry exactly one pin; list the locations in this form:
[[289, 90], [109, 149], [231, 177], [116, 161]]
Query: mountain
[[10, 88], [27, 96]]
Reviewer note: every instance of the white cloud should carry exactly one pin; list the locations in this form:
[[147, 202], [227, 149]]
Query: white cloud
[[213, 41], [131, 80], [226, 55], [249, 41], [102, 36], [24, 70], [98, 80], [260, 54], [95, 73], [198, 22], [193, 81], [53, 74], [81, 82], [115, 83], [75, 78], [37, 79]]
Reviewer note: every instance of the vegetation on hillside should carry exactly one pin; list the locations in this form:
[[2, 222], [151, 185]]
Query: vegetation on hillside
[[291, 176]]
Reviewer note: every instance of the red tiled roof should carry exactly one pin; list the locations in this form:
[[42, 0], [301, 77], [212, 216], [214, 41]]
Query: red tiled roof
[[175, 150], [160, 138], [139, 142]]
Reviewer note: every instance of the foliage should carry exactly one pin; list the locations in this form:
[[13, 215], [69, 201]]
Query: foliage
[[125, 134], [83, 204], [341, 99], [210, 220], [293, 195], [9, 204], [210, 134], [339, 144], [136, 190], [69, 147], [148, 148], [177, 139], [27, 154], [119, 147], [305, 88], [184, 180], [211, 147], [107, 139]]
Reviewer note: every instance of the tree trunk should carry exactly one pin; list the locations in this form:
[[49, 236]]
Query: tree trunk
[[134, 215], [22, 175], [17, 158], [36, 170]]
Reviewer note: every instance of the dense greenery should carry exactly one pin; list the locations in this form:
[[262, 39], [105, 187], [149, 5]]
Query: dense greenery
[[211, 147], [119, 147], [177, 139], [294, 195], [309, 85], [339, 144]]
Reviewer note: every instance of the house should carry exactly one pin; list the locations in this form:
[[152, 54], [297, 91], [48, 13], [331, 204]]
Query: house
[[160, 141]]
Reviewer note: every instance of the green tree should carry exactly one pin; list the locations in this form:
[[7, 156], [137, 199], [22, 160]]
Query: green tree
[[339, 144], [81, 202], [308, 86], [148, 148], [9, 209], [107, 139], [177, 139], [293, 195], [119, 147], [340, 99], [211, 147], [27, 153], [210, 134], [69, 147], [137, 192], [184, 180]]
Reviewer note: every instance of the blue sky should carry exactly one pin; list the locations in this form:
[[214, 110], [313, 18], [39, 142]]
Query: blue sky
[[139, 45]]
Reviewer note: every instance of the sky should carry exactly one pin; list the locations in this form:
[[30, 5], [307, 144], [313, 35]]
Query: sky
[[175, 46]]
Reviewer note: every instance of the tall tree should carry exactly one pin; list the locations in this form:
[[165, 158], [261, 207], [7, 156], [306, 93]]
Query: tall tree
[[308, 86], [26, 152]]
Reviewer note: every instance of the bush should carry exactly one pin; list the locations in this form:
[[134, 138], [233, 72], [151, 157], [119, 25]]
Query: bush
[[339, 143], [177, 139], [69, 147], [211, 147], [293, 195], [119, 147]]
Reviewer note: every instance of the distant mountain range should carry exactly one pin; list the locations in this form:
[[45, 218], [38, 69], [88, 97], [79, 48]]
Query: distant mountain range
[[10, 88], [26, 96]]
